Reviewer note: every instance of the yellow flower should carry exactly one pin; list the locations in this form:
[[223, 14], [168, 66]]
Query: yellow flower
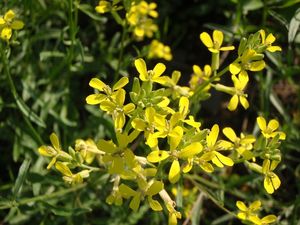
[[139, 21], [214, 44], [242, 144], [150, 75], [53, 151], [174, 89], [214, 147], [152, 188], [103, 7], [159, 50], [69, 177], [248, 61], [151, 123], [239, 95], [8, 23], [88, 149], [119, 158], [268, 41], [269, 131], [249, 213], [267, 220], [199, 76], [95, 99], [271, 181]]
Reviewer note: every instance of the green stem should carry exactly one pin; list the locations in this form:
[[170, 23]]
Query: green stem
[[207, 82], [205, 191], [15, 94], [43, 197], [121, 53]]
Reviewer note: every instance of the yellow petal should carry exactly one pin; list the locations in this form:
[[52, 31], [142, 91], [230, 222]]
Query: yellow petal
[[54, 141], [157, 156], [218, 37], [119, 120], [270, 39], [175, 137], [244, 102], [269, 219], [126, 191], [227, 48], [241, 205], [188, 165], [206, 39], [274, 48], [135, 202], [119, 97], [197, 70], [266, 166], [17, 25], [128, 108], [2, 21], [155, 188], [97, 84], [232, 105], [141, 67], [184, 106], [273, 125], [242, 215], [190, 150], [9, 15], [212, 137], [154, 204], [158, 70], [224, 159], [121, 83], [261, 123], [234, 68], [257, 65], [6, 33], [95, 99], [138, 124], [268, 185], [174, 173], [47, 151], [61, 167], [263, 36], [207, 167], [230, 134], [255, 205], [106, 146]]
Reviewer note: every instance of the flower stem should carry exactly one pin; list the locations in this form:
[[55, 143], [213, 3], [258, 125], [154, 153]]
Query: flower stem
[[16, 96]]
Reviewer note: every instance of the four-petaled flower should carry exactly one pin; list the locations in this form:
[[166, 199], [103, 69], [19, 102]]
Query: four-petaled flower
[[269, 131], [249, 213], [268, 41], [53, 151], [214, 44], [150, 75], [8, 23], [271, 181]]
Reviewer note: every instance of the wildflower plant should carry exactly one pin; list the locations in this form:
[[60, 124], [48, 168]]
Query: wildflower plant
[[157, 141]]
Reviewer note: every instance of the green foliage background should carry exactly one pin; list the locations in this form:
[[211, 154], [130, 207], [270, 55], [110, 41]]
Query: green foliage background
[[66, 43]]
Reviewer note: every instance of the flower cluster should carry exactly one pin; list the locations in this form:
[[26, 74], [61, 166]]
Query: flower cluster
[[155, 134], [250, 214], [140, 18], [8, 23], [159, 50]]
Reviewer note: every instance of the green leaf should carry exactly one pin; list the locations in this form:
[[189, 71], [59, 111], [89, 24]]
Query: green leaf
[[29, 113], [21, 177], [294, 26], [89, 11], [66, 212]]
